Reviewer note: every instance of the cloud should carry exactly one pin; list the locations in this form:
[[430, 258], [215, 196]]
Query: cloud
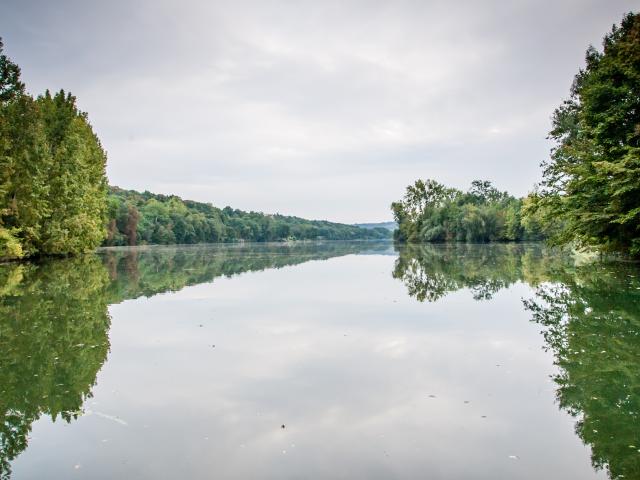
[[319, 109]]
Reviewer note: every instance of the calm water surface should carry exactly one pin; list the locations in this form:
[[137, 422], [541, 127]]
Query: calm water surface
[[327, 360]]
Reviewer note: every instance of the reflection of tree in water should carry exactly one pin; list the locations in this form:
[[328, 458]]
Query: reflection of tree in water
[[431, 272], [54, 320], [592, 325], [591, 320], [54, 324], [146, 272], [53, 341]]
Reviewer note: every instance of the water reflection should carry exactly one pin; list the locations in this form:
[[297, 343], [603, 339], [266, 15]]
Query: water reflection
[[314, 348], [148, 271], [54, 321], [53, 340], [590, 316], [591, 320], [431, 272]]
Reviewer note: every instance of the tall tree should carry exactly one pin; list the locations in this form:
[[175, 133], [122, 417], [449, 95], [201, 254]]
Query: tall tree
[[591, 185], [77, 180], [24, 161], [52, 173]]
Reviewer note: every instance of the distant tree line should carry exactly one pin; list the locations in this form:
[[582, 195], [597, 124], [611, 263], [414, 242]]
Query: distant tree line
[[52, 172], [54, 196], [136, 218], [432, 212]]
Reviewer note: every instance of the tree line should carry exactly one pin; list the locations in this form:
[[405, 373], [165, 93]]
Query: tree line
[[136, 218], [590, 193], [55, 199]]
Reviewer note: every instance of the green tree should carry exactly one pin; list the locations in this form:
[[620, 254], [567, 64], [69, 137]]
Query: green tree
[[591, 184], [431, 212], [77, 180], [24, 159], [147, 218], [52, 173]]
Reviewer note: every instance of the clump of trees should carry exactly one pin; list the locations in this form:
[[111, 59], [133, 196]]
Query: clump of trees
[[591, 184], [146, 218], [432, 212], [52, 172]]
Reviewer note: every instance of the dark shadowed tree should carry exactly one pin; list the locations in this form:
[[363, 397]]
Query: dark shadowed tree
[[591, 186]]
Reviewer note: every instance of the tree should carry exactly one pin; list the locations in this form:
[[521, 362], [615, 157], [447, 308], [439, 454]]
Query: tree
[[24, 159], [52, 173], [131, 229], [431, 212], [77, 180], [10, 85], [591, 184]]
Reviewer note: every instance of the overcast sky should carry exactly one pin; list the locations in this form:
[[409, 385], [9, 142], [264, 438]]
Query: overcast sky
[[317, 108]]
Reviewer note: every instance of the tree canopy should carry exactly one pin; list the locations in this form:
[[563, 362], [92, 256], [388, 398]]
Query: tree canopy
[[432, 212], [591, 183], [52, 172], [145, 218]]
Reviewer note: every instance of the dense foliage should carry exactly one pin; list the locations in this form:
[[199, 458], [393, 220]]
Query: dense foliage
[[52, 172], [146, 218], [591, 186], [432, 212]]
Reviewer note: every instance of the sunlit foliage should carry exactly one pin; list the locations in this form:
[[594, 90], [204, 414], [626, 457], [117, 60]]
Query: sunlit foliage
[[52, 173]]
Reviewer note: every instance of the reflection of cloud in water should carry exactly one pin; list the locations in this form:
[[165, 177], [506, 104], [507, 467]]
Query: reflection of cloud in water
[[55, 323], [368, 382]]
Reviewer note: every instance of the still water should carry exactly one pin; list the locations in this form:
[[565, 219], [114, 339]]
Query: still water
[[320, 360]]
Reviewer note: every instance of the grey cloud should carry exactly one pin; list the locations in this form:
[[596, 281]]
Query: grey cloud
[[319, 109]]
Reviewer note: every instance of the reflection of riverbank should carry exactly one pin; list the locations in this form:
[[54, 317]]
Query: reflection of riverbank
[[146, 271], [591, 320], [53, 340], [337, 332], [431, 271], [590, 314], [54, 321]]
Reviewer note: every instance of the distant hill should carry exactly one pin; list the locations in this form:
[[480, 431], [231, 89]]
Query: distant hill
[[141, 218], [370, 226]]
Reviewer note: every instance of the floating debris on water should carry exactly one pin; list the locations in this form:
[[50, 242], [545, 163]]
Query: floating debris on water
[[108, 417]]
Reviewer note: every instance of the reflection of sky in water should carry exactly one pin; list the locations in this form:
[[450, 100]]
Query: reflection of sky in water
[[368, 382]]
